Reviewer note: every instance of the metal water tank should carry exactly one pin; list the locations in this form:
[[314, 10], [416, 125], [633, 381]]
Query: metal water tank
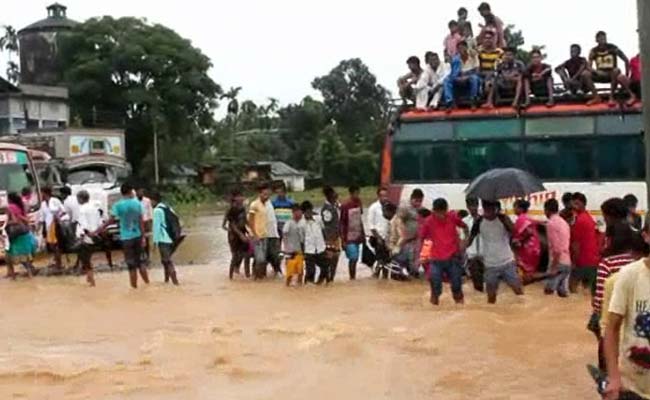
[[38, 47]]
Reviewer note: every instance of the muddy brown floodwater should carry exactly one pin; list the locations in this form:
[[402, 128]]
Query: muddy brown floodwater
[[216, 339]]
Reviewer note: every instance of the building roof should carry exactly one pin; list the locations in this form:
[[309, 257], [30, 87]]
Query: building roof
[[6, 86], [56, 19], [278, 168]]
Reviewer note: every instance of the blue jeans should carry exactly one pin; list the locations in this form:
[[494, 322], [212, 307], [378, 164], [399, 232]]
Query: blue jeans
[[450, 84], [455, 273], [558, 283]]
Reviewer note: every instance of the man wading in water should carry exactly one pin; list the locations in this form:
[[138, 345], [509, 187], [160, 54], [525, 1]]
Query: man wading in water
[[128, 212]]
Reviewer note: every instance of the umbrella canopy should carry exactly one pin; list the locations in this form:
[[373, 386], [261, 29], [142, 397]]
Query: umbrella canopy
[[502, 183]]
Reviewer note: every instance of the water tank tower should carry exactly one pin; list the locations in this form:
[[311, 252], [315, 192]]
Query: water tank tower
[[38, 48]]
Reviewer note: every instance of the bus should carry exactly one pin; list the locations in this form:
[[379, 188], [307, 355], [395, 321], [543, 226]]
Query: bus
[[16, 173], [596, 150]]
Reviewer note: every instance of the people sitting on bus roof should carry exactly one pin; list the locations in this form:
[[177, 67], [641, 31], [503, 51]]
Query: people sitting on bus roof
[[465, 28], [451, 41], [464, 73], [436, 71], [491, 20], [576, 75], [605, 57], [489, 56], [635, 75], [509, 81], [538, 80], [414, 86]]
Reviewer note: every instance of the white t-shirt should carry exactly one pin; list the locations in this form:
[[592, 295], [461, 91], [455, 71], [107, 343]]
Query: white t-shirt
[[494, 244], [314, 240], [71, 207], [631, 299], [49, 209], [271, 222], [472, 251], [88, 220], [147, 209], [377, 221]]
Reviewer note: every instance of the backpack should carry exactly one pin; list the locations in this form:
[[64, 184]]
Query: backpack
[[172, 226]]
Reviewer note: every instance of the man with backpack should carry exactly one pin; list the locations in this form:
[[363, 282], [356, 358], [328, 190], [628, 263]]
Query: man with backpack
[[494, 230], [166, 234]]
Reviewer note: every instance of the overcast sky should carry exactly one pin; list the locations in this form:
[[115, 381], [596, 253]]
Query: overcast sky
[[276, 48]]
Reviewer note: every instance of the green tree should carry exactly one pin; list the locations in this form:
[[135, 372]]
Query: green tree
[[515, 38], [354, 101], [302, 125], [131, 73]]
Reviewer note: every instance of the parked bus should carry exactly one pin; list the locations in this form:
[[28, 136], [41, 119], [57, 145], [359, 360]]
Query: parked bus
[[573, 148], [16, 173]]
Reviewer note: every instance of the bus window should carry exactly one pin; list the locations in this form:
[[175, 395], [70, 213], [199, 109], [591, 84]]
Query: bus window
[[617, 125], [476, 158], [621, 158], [406, 161], [491, 128], [560, 126], [438, 162], [425, 131], [569, 159]]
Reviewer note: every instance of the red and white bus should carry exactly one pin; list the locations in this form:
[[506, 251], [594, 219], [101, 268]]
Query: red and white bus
[[595, 150]]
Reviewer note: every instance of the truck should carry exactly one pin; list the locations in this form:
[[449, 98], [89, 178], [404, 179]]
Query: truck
[[81, 158]]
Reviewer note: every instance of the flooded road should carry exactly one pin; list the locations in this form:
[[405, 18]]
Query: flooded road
[[215, 339]]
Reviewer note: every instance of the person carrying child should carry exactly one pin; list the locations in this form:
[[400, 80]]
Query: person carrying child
[[293, 238]]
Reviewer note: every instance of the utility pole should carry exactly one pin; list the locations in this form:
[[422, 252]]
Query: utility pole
[[643, 12], [155, 146]]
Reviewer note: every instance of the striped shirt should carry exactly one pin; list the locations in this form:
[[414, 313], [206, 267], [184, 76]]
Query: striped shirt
[[489, 59], [608, 267]]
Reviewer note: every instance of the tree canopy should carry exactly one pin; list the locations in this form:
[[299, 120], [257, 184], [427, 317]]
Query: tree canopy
[[128, 72]]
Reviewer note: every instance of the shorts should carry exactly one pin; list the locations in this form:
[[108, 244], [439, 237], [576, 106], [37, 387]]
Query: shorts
[[352, 251], [85, 256], [267, 251], [132, 253], [601, 76], [506, 273], [295, 265], [166, 250], [586, 275]]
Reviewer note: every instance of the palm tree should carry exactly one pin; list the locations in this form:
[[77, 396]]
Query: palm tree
[[233, 104], [9, 44]]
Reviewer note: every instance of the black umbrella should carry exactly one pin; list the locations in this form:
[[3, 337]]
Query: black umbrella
[[502, 183]]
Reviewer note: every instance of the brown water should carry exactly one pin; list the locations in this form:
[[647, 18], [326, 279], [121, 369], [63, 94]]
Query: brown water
[[216, 339]]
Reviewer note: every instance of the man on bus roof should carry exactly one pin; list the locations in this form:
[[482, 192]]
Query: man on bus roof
[[605, 56], [492, 20], [538, 79], [464, 73], [509, 80], [576, 75]]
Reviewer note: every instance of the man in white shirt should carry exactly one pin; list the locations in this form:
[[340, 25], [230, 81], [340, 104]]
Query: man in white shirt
[[378, 225], [70, 204], [51, 211], [494, 231], [436, 73], [474, 263], [273, 239], [415, 85], [314, 247], [88, 220]]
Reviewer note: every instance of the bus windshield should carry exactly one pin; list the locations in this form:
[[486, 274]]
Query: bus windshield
[[16, 174]]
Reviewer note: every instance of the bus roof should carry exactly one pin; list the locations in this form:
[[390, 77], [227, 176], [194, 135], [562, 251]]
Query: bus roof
[[11, 146], [509, 112]]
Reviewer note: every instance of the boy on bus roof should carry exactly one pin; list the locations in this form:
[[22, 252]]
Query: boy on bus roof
[[464, 26], [492, 20], [576, 75], [538, 79], [464, 73], [489, 57], [414, 86], [605, 56], [509, 80]]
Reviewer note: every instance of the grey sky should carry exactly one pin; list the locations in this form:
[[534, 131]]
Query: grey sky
[[276, 48]]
